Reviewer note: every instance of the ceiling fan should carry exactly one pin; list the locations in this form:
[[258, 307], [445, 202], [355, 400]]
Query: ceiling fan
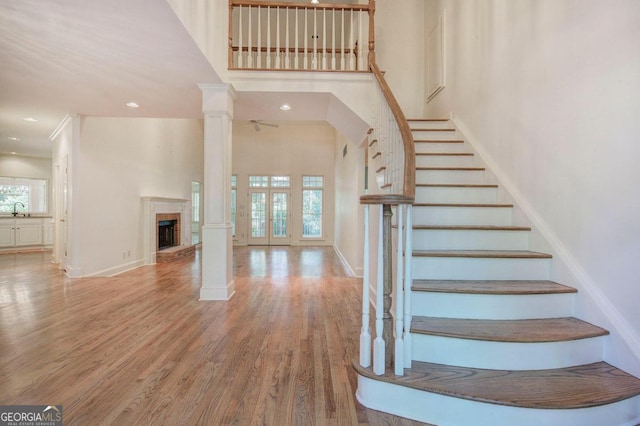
[[258, 123]]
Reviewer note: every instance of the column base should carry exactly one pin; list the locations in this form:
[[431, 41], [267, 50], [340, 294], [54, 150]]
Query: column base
[[217, 275]]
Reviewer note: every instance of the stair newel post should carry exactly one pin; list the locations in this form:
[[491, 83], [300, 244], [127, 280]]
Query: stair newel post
[[365, 336], [399, 319], [408, 280], [388, 286], [378, 343]]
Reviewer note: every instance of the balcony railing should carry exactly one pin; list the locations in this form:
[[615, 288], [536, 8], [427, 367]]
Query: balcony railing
[[299, 36]]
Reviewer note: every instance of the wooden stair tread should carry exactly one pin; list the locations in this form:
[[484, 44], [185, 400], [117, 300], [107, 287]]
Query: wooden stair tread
[[434, 130], [514, 331], [453, 169], [427, 119], [581, 386], [492, 254], [462, 205], [509, 287], [471, 228], [455, 185], [436, 154], [438, 141]]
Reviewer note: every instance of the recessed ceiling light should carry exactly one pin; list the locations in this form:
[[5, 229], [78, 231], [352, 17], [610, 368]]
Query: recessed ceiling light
[[285, 107], [30, 119], [13, 152], [133, 105], [12, 138]]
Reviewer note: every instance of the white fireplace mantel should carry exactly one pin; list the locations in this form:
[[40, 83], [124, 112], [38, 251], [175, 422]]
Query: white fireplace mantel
[[151, 206]]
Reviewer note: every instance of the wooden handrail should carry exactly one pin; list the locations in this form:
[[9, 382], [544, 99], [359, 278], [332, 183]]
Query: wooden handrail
[[326, 6], [292, 49], [409, 179]]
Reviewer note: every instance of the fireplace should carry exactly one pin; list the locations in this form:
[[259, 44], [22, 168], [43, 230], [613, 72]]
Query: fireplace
[[167, 230], [167, 234]]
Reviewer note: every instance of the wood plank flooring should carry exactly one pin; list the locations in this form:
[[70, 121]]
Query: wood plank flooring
[[140, 349]]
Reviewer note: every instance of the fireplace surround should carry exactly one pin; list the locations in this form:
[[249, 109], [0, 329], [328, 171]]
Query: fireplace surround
[[157, 209]]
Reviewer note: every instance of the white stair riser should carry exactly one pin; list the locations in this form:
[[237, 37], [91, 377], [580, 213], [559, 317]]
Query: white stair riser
[[434, 134], [424, 239], [440, 147], [444, 160], [506, 355], [417, 125], [492, 306], [450, 176], [461, 215], [462, 268], [443, 410], [443, 194]]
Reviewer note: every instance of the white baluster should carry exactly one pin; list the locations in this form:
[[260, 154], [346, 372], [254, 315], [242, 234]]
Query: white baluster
[[306, 38], [399, 319], [259, 50], [324, 39], [249, 44], [314, 61], [296, 58], [268, 36], [408, 282], [278, 37], [333, 40], [287, 59], [365, 336], [342, 64], [240, 60], [378, 343]]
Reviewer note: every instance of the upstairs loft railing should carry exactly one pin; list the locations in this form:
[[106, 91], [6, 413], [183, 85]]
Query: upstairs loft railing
[[299, 36]]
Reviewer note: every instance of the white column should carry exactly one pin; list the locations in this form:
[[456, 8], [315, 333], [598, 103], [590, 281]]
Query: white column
[[217, 275]]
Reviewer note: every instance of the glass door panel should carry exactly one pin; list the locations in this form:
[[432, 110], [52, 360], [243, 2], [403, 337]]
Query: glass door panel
[[279, 217], [258, 219], [269, 217]]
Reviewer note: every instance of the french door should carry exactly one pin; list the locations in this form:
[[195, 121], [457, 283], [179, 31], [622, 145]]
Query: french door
[[269, 217]]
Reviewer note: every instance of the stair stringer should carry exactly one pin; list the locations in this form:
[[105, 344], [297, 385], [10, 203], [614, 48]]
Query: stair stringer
[[447, 410], [622, 347]]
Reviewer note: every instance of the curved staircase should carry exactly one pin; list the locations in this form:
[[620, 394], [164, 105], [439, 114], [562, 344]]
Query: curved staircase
[[493, 340]]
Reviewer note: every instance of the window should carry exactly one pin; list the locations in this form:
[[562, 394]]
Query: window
[[280, 182], [234, 181], [23, 195], [312, 206], [195, 202], [258, 181]]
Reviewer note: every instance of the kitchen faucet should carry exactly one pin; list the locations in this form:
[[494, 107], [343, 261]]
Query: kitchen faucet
[[15, 209]]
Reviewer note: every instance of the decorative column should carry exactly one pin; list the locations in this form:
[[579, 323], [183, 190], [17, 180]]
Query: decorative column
[[217, 275]]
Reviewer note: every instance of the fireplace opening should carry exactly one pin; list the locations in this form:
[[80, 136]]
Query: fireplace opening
[[167, 234]]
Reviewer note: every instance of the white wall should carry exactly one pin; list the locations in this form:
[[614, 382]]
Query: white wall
[[349, 175], [399, 51], [550, 88], [294, 149], [120, 160], [28, 167]]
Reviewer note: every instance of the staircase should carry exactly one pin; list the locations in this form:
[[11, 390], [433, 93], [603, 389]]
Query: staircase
[[494, 341]]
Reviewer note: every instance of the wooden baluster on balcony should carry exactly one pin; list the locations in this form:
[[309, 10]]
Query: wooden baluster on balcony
[[259, 49], [296, 58], [278, 59], [269, 63], [249, 42], [240, 60]]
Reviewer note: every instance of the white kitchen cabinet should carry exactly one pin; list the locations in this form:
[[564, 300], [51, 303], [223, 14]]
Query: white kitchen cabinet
[[7, 233], [28, 232], [25, 232]]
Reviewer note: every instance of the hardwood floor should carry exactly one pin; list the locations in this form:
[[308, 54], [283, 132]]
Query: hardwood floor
[[140, 349]]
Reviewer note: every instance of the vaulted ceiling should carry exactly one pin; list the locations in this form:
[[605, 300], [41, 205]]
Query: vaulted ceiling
[[91, 57]]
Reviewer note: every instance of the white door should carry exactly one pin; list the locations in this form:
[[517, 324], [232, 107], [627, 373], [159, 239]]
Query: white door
[[269, 217]]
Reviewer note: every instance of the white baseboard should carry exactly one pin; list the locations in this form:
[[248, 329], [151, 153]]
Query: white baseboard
[[347, 267]]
